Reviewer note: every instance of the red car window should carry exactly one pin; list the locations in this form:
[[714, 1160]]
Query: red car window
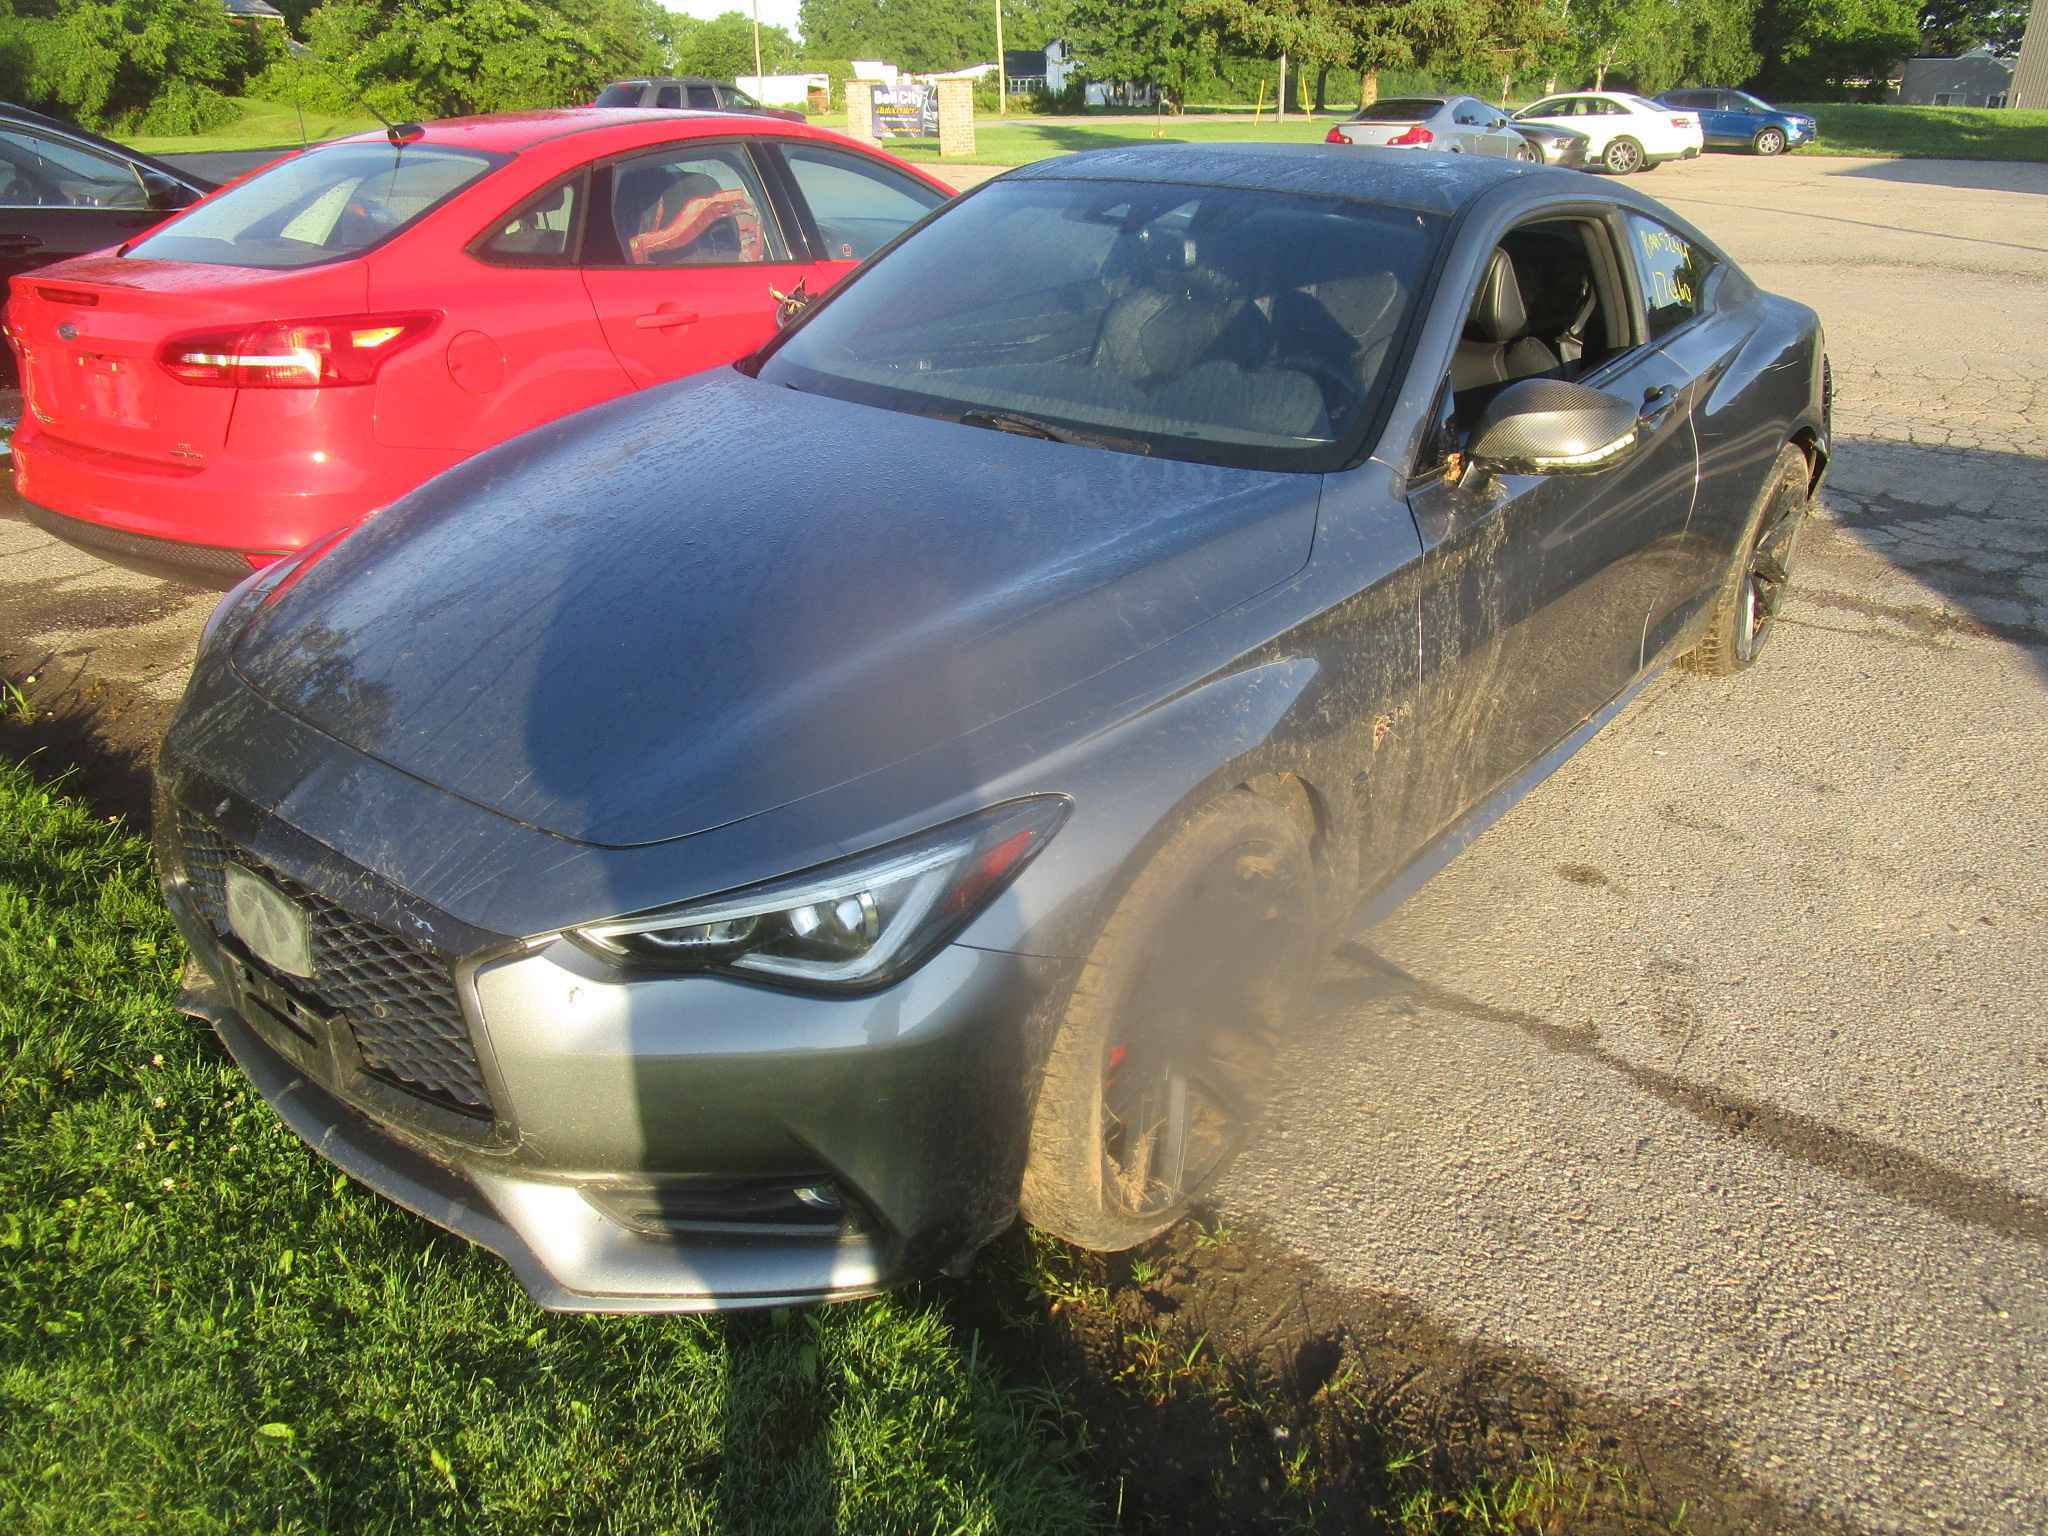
[[692, 207]]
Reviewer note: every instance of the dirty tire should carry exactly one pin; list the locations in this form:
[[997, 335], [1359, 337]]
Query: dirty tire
[[1117, 1150], [1622, 156], [1746, 611], [1769, 141]]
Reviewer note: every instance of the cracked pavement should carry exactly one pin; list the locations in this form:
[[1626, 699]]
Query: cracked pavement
[[1714, 1072]]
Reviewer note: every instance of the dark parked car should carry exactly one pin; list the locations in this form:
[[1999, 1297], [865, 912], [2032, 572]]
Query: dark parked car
[[1737, 120], [688, 93], [1554, 145], [746, 841], [64, 192]]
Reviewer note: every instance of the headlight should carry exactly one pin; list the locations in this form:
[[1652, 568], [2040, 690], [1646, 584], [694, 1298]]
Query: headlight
[[850, 926]]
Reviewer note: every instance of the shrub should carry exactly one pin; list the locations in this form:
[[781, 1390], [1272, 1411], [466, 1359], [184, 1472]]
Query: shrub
[[182, 107]]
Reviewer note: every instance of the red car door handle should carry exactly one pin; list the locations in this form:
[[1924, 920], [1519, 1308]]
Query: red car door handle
[[662, 319]]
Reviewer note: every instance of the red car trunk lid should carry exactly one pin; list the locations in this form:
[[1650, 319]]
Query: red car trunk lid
[[91, 331]]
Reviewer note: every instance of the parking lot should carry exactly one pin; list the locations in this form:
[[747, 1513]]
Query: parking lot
[[1718, 1076]]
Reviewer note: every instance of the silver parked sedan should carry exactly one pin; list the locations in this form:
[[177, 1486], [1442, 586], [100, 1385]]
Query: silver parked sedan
[[1459, 124]]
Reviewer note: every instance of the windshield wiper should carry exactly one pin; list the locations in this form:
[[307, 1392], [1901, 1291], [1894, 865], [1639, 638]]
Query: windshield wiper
[[1034, 426]]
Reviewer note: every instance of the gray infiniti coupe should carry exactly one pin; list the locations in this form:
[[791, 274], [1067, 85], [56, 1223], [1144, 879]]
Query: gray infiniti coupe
[[747, 842]]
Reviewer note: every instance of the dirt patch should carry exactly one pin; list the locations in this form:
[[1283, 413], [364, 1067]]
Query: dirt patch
[[96, 737], [1227, 1386]]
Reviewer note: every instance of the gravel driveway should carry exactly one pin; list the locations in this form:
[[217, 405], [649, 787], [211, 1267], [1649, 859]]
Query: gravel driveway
[[1714, 1073]]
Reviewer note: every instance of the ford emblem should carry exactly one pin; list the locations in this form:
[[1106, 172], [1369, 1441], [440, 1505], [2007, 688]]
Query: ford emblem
[[68, 331]]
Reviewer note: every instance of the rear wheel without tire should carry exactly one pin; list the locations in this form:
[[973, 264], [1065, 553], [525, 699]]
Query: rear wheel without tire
[[1162, 1053], [1769, 141], [1754, 592], [1623, 157]]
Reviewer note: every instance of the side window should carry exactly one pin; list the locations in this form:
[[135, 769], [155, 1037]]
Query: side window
[[540, 233], [36, 172], [669, 97], [735, 97], [1606, 108], [690, 208], [1674, 274], [858, 204], [703, 99]]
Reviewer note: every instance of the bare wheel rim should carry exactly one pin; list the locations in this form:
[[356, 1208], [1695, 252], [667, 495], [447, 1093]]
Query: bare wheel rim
[[1623, 157], [1765, 579], [1180, 1073], [1524, 153], [1769, 142]]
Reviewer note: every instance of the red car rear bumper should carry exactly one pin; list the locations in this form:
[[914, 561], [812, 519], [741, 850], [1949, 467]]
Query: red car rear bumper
[[209, 523]]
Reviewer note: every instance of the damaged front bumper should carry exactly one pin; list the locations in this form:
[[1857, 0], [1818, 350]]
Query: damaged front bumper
[[666, 1144]]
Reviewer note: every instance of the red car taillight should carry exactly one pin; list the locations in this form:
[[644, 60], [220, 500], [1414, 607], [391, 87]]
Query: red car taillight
[[1416, 135], [294, 354], [1335, 136], [1681, 122]]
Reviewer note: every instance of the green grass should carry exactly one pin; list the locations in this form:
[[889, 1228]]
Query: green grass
[[997, 142], [1943, 133], [204, 1328], [262, 125]]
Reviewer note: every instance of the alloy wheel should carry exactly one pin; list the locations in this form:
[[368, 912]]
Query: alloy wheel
[[1766, 579], [1623, 157], [1770, 142]]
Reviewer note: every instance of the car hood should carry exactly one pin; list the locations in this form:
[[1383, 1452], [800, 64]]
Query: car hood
[[693, 605]]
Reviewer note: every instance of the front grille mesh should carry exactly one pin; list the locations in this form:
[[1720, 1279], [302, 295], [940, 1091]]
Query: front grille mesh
[[398, 1000]]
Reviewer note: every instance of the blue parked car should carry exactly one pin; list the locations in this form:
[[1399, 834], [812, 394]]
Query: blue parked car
[[1737, 120]]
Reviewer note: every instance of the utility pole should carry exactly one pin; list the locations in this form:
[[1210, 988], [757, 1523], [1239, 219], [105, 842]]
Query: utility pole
[[1002, 69], [1280, 101], [757, 45]]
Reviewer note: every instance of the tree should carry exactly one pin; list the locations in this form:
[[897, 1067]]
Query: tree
[[1816, 49], [1956, 26], [100, 61], [1152, 41], [723, 47], [439, 58], [924, 34]]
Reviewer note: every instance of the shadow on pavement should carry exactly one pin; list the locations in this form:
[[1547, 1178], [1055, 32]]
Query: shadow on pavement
[[1976, 175]]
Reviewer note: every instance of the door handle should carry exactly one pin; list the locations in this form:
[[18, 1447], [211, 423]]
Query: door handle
[[663, 319], [1658, 402]]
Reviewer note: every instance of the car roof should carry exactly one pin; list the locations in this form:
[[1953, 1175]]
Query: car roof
[[511, 132], [1441, 184]]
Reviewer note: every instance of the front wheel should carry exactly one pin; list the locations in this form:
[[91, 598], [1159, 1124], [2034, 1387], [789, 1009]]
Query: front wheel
[[1623, 157], [1754, 592], [1160, 1060], [1769, 141]]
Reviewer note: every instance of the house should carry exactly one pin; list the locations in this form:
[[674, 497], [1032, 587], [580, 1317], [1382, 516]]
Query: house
[[2030, 74], [1974, 79], [1023, 70]]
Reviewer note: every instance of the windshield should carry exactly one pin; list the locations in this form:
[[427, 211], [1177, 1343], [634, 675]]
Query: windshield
[[1215, 324], [319, 206], [624, 94]]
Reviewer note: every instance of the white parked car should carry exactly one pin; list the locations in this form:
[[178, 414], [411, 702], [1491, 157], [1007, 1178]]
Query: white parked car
[[1628, 133]]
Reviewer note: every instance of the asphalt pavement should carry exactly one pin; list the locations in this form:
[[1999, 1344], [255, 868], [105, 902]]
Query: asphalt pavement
[[1714, 1073]]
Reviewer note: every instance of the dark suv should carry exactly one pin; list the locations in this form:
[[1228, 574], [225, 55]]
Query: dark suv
[[688, 93]]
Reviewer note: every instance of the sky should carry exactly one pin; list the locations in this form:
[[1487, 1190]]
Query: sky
[[774, 13]]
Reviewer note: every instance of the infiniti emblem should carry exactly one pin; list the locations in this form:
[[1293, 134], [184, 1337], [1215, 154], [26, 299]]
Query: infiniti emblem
[[68, 331]]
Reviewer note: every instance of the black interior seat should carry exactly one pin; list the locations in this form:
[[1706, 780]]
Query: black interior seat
[[1497, 347]]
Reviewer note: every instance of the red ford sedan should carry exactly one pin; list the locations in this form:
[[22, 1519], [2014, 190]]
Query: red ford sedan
[[299, 350]]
